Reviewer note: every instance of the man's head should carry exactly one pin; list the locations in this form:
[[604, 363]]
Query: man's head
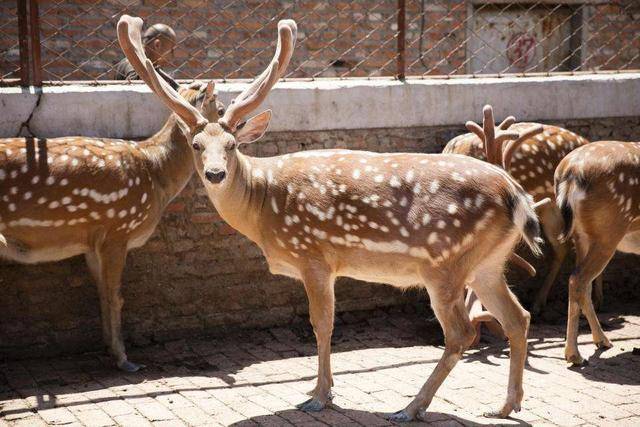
[[159, 42]]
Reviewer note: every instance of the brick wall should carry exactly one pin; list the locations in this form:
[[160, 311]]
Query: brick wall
[[196, 275], [356, 38]]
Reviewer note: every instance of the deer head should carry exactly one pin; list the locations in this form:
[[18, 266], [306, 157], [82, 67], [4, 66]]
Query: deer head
[[214, 139]]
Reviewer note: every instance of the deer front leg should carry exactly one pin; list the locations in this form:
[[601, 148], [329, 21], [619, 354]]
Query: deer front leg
[[478, 315], [598, 293], [106, 263], [93, 262], [318, 283], [450, 311]]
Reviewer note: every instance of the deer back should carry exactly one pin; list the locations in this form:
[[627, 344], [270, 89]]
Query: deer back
[[598, 186], [373, 208], [61, 195], [533, 163]]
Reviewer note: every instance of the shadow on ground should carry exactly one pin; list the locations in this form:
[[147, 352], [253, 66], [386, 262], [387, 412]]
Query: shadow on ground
[[341, 416], [222, 359]]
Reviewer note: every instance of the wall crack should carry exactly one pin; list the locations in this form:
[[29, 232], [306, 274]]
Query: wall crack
[[27, 123]]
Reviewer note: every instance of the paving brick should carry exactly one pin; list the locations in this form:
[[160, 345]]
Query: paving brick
[[372, 378], [95, 418], [131, 420], [155, 411], [57, 416]]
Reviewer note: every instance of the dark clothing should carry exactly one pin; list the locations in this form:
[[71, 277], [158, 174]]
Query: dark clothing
[[124, 71]]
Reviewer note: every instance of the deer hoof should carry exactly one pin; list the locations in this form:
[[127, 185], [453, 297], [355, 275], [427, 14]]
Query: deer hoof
[[311, 405], [504, 412], [575, 359], [400, 417], [603, 344], [127, 366]]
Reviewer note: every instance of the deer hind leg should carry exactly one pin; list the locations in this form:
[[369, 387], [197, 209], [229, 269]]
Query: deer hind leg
[[318, 283], [590, 262], [552, 223], [499, 300], [106, 263], [449, 307]]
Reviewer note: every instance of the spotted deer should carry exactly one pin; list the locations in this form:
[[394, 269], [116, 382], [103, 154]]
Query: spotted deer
[[100, 197], [532, 162], [498, 145], [597, 193], [438, 221]]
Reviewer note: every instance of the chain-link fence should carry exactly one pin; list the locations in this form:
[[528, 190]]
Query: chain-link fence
[[361, 38]]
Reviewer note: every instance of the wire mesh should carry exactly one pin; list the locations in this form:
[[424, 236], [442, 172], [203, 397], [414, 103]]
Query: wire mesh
[[216, 39], [235, 39], [457, 37], [9, 42]]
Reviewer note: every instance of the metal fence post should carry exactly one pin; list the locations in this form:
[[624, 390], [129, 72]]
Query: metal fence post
[[400, 73], [34, 36], [23, 42]]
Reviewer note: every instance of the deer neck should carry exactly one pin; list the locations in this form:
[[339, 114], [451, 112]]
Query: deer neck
[[169, 159], [240, 200]]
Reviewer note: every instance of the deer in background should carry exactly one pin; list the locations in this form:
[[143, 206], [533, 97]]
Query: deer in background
[[597, 193], [442, 221], [532, 163], [498, 145], [100, 197]]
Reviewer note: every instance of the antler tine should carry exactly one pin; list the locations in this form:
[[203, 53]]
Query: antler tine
[[488, 126], [523, 264], [129, 36], [475, 128], [512, 146], [256, 92], [506, 123]]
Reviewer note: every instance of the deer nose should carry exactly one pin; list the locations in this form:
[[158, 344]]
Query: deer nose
[[214, 177]]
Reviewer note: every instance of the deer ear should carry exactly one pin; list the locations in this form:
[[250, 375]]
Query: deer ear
[[254, 128]]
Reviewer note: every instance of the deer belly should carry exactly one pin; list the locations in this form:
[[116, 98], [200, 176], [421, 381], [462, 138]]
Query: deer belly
[[19, 252], [392, 270], [630, 243]]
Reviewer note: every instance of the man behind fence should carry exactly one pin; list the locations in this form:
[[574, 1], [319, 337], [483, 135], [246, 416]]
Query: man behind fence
[[159, 41]]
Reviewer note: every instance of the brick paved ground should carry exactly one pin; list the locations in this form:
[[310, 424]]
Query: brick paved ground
[[380, 360]]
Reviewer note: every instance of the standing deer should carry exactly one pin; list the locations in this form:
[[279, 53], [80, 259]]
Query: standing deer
[[532, 162], [497, 145], [438, 220], [597, 193], [63, 197]]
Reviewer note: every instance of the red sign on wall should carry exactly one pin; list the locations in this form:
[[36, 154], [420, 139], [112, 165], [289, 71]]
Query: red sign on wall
[[521, 49]]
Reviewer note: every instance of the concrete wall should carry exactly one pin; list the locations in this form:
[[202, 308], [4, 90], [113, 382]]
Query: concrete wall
[[130, 111], [197, 275]]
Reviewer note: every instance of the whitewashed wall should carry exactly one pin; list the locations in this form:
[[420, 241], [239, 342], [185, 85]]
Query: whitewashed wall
[[131, 110]]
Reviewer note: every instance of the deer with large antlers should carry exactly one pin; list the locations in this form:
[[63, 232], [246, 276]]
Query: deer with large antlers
[[436, 220], [597, 193], [100, 197], [531, 157]]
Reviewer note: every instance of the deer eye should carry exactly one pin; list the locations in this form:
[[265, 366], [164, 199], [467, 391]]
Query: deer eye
[[196, 146]]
